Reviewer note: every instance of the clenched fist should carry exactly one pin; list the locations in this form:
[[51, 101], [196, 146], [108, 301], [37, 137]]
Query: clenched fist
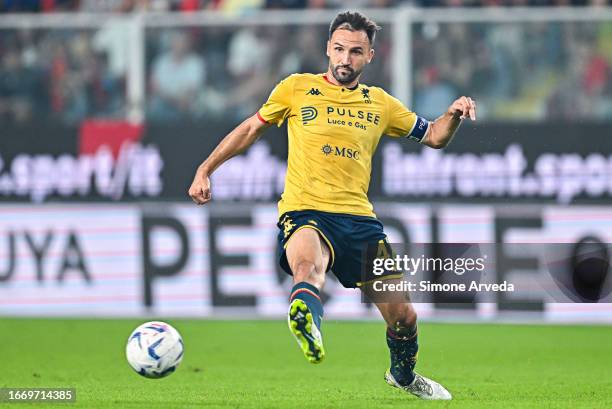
[[200, 188]]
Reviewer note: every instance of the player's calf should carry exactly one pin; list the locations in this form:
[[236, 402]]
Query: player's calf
[[403, 348], [402, 340]]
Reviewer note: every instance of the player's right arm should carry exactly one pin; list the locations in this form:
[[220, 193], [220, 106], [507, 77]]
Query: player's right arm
[[275, 111], [435, 134], [236, 142]]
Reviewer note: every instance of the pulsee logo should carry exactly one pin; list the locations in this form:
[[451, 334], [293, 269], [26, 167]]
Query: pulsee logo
[[308, 114]]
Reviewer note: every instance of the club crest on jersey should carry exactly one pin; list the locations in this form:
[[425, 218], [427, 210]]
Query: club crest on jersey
[[308, 114], [314, 91], [365, 92]]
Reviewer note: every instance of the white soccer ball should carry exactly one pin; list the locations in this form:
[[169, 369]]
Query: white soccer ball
[[154, 349]]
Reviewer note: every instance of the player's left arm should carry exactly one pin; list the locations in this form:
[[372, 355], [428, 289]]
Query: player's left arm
[[441, 131]]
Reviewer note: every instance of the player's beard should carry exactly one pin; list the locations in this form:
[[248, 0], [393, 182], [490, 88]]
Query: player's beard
[[347, 78]]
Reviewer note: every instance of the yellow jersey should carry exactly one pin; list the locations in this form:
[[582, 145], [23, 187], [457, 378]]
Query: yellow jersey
[[333, 134]]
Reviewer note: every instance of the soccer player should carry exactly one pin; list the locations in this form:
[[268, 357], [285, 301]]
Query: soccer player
[[326, 220]]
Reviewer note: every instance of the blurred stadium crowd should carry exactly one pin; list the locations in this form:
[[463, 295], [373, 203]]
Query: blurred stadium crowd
[[192, 5], [524, 72]]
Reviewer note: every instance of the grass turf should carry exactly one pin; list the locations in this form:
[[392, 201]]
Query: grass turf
[[256, 364]]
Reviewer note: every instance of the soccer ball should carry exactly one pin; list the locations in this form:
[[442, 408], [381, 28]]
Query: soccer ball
[[154, 349]]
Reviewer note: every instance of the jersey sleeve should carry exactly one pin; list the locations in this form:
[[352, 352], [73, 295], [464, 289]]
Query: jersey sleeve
[[403, 122], [278, 106]]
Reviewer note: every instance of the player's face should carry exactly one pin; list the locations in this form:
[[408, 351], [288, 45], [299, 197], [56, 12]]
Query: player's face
[[348, 52]]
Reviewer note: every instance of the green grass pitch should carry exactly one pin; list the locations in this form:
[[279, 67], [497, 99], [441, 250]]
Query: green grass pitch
[[256, 364]]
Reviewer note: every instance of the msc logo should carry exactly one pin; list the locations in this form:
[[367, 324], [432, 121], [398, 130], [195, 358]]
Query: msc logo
[[344, 152], [314, 91], [308, 114]]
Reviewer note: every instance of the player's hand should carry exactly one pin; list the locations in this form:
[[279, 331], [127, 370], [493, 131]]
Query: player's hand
[[200, 188], [463, 108]]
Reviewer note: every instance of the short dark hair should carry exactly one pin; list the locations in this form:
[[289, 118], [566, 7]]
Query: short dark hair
[[354, 21]]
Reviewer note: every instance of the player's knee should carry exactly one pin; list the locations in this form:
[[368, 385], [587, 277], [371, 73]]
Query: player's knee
[[403, 316], [307, 271]]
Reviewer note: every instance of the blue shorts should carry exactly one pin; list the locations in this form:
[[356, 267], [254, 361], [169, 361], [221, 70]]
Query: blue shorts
[[347, 237]]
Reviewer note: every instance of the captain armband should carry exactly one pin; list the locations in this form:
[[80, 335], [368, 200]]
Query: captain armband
[[419, 130]]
